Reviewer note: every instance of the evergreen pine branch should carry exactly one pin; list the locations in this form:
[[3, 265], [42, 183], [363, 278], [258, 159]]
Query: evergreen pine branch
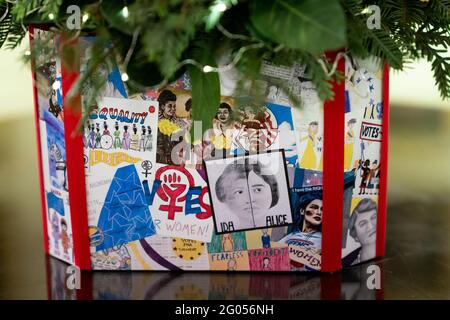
[[15, 36], [365, 42], [5, 24]]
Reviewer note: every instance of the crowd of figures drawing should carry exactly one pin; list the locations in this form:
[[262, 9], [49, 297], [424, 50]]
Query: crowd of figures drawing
[[247, 196]]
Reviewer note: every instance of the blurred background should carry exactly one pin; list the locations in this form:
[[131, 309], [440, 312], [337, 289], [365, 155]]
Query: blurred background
[[417, 264]]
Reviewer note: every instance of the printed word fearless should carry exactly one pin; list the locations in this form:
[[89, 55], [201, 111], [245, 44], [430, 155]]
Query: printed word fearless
[[119, 115], [226, 255]]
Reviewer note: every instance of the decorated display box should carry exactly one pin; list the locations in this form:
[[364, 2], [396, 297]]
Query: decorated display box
[[277, 188]]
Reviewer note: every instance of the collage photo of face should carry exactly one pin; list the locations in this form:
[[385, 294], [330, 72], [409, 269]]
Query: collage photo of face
[[249, 192]]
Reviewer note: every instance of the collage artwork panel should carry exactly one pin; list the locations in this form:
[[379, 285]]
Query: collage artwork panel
[[363, 119], [53, 151], [159, 201]]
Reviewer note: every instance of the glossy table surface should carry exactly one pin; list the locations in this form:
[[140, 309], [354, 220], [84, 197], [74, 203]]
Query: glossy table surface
[[416, 266]]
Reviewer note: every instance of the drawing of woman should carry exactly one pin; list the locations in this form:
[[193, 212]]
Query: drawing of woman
[[65, 239], [309, 159], [56, 235], [142, 139], [126, 138], [373, 179], [252, 128], [231, 265], [105, 129], [227, 242], [117, 142], [148, 145], [169, 127], [134, 145], [86, 135], [348, 147], [92, 137], [365, 175], [98, 136]]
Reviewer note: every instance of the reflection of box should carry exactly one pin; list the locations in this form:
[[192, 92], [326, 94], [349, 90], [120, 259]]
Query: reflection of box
[[131, 192], [348, 285]]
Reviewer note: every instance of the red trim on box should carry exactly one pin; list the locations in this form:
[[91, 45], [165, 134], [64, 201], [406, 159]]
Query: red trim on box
[[382, 194], [330, 286], [86, 290], [75, 164], [333, 175], [39, 149]]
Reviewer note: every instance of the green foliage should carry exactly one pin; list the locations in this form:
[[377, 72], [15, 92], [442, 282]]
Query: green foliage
[[161, 39], [307, 25], [6, 22], [205, 88]]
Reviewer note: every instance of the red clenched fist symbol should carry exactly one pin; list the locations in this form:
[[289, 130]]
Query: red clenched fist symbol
[[171, 188]]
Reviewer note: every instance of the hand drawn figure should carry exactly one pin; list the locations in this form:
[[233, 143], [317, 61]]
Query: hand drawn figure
[[106, 140], [349, 142], [55, 231], [169, 127], [365, 173], [142, 139], [309, 158], [373, 177], [92, 137], [98, 136], [134, 145], [148, 146], [252, 130], [117, 142], [60, 165], [105, 129], [231, 265], [125, 138], [266, 264], [86, 135], [265, 238], [218, 139], [65, 240], [54, 107], [227, 242]]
